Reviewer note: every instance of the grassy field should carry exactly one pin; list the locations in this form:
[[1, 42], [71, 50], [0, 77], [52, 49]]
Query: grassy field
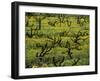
[[56, 40]]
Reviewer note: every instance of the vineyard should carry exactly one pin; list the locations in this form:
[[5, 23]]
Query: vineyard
[[56, 40]]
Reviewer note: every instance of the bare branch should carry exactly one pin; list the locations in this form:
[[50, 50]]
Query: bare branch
[[58, 62], [75, 61]]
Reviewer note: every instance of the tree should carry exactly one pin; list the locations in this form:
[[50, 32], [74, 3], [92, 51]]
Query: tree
[[82, 20], [41, 55], [69, 22], [69, 49], [58, 60], [61, 18], [30, 34], [75, 61], [76, 37], [38, 18]]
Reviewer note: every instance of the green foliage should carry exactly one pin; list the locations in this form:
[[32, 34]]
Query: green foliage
[[55, 40]]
